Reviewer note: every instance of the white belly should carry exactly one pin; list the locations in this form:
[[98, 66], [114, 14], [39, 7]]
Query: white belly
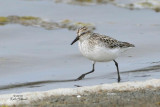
[[98, 54]]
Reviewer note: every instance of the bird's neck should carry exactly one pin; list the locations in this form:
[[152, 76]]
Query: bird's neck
[[85, 36]]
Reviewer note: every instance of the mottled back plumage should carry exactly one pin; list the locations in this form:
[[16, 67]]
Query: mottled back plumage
[[107, 41]]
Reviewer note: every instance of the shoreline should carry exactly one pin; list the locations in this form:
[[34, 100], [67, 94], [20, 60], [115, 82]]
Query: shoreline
[[29, 97]]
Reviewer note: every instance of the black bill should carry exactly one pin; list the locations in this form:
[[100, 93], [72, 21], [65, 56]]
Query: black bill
[[77, 38]]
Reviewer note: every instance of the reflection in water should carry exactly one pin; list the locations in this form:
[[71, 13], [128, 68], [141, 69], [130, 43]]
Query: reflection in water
[[38, 83]]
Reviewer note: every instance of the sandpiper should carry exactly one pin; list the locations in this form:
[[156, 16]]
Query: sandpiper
[[99, 48]]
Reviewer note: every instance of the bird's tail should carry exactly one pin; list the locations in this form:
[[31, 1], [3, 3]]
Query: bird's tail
[[126, 45]]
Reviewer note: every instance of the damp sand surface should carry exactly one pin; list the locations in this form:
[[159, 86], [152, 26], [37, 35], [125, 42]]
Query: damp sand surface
[[36, 59]]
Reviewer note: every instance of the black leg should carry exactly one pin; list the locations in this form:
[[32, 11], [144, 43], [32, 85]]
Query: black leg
[[117, 70], [83, 75]]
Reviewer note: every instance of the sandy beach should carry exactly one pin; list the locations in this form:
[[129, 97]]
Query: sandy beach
[[141, 98], [121, 94]]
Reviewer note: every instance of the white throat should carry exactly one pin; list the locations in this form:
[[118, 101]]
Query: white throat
[[84, 37]]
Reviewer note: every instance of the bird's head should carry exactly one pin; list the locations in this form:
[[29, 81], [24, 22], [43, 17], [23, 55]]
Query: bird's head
[[81, 34]]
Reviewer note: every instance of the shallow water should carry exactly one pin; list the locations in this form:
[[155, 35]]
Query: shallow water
[[36, 59]]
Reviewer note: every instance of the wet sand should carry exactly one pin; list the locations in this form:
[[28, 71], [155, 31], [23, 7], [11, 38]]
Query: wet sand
[[154, 68], [28, 51]]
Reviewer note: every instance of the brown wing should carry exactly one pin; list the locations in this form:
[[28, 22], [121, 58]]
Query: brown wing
[[109, 41]]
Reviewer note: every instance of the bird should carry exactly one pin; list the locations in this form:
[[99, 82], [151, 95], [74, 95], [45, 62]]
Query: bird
[[99, 48]]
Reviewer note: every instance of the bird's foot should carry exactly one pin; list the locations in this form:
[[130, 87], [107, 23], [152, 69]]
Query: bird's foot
[[119, 79], [80, 78]]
